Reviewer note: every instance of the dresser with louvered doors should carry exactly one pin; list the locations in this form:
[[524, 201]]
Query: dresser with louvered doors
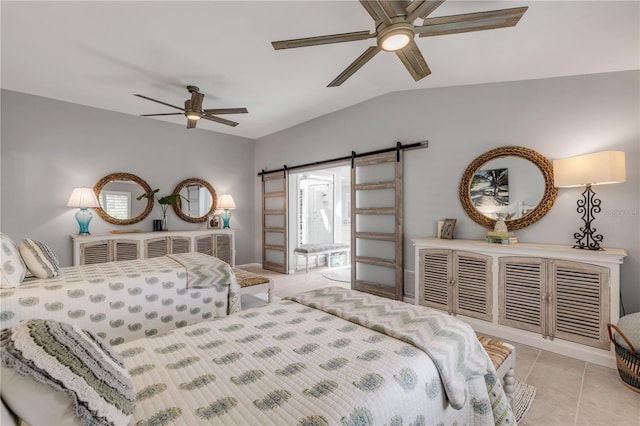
[[100, 248], [552, 297], [556, 298], [456, 281]]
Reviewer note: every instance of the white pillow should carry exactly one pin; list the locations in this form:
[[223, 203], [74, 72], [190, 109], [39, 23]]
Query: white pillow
[[40, 258], [57, 374], [11, 264]]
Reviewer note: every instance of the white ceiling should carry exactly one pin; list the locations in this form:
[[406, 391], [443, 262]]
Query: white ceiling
[[100, 53]]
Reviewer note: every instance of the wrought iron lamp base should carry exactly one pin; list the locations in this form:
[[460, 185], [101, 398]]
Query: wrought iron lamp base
[[587, 238]]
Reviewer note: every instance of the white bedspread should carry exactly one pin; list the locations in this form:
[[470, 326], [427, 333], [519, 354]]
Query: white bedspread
[[289, 364], [119, 301]]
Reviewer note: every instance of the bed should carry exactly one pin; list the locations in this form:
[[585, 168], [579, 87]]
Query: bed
[[123, 301], [328, 356]]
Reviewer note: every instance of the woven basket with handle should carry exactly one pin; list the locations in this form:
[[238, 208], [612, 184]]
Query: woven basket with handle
[[627, 360]]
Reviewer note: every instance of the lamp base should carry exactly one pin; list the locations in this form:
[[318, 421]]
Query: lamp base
[[84, 216], [226, 217], [587, 239]]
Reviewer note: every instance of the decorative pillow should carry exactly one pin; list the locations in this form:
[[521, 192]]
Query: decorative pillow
[[40, 259], [11, 264], [71, 376], [630, 327]]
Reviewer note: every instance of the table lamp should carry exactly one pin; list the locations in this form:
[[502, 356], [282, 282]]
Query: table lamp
[[84, 198], [588, 170], [226, 203]]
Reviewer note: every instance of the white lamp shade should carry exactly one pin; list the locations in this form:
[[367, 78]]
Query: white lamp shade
[[596, 169], [226, 202], [83, 197]]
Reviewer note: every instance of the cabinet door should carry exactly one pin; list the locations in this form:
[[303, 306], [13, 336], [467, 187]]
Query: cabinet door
[[522, 293], [156, 247], [435, 278], [180, 245], [94, 252], [581, 302], [205, 244], [224, 248], [125, 250], [472, 285]]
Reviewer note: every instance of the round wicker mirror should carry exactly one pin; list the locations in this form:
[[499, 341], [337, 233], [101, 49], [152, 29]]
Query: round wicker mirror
[[117, 194], [481, 182], [197, 200]]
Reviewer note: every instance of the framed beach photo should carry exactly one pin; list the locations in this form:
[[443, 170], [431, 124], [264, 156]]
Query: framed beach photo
[[447, 229], [214, 221]]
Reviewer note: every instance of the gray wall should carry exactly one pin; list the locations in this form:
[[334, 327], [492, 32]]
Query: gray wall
[[559, 117], [49, 147]]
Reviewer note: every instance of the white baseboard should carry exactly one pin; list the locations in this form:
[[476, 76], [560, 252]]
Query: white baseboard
[[249, 265]]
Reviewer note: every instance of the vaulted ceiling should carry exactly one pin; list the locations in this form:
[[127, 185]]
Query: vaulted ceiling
[[101, 53]]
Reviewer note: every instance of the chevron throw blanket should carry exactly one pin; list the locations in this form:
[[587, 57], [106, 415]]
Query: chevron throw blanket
[[69, 360], [203, 270], [449, 342]]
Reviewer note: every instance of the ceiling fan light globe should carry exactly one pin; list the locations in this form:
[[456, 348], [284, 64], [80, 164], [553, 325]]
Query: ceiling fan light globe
[[395, 36], [395, 42], [193, 116]]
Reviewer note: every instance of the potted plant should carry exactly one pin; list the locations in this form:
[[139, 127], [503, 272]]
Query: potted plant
[[165, 202]]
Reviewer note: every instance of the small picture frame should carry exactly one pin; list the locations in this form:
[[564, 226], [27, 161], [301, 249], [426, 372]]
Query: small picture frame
[[447, 229], [214, 221]]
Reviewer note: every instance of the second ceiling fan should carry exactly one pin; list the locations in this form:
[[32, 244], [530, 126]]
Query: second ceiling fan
[[193, 109], [395, 32]]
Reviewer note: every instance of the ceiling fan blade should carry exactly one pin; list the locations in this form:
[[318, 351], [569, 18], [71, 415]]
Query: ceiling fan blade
[[421, 9], [355, 66], [219, 120], [326, 39], [379, 10], [191, 124], [160, 102], [225, 111], [166, 113], [414, 61], [471, 22]]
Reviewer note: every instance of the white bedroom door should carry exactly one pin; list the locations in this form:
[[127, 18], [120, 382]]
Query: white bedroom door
[[376, 224], [274, 221]]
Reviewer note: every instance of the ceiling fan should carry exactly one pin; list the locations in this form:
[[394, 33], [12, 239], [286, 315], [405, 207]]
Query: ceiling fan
[[193, 109], [395, 32]]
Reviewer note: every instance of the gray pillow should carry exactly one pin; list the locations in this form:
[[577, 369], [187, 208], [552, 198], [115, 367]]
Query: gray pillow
[[71, 376], [12, 268], [39, 258], [630, 327]]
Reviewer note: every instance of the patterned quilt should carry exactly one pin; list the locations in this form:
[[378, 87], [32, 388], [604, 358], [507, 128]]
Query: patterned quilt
[[292, 364], [120, 301], [451, 344]]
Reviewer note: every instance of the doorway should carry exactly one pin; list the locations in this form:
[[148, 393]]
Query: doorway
[[319, 211]]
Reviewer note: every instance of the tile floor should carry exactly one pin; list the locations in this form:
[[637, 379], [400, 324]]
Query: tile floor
[[569, 391]]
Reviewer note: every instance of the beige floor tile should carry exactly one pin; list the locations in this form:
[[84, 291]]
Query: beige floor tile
[[558, 380], [602, 369], [549, 414], [607, 392], [526, 357], [589, 415], [556, 364]]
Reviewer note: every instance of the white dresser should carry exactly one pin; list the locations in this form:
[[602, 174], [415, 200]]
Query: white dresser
[[100, 248], [552, 297]]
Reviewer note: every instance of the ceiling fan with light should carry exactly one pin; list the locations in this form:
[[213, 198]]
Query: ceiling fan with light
[[395, 32], [193, 109]]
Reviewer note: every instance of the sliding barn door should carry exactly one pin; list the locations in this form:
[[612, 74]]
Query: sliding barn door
[[274, 221], [376, 218]]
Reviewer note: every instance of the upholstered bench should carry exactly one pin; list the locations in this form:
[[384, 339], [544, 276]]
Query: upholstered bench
[[251, 283], [317, 250], [503, 357]]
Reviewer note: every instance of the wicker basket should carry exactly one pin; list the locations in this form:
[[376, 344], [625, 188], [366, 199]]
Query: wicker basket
[[627, 360]]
